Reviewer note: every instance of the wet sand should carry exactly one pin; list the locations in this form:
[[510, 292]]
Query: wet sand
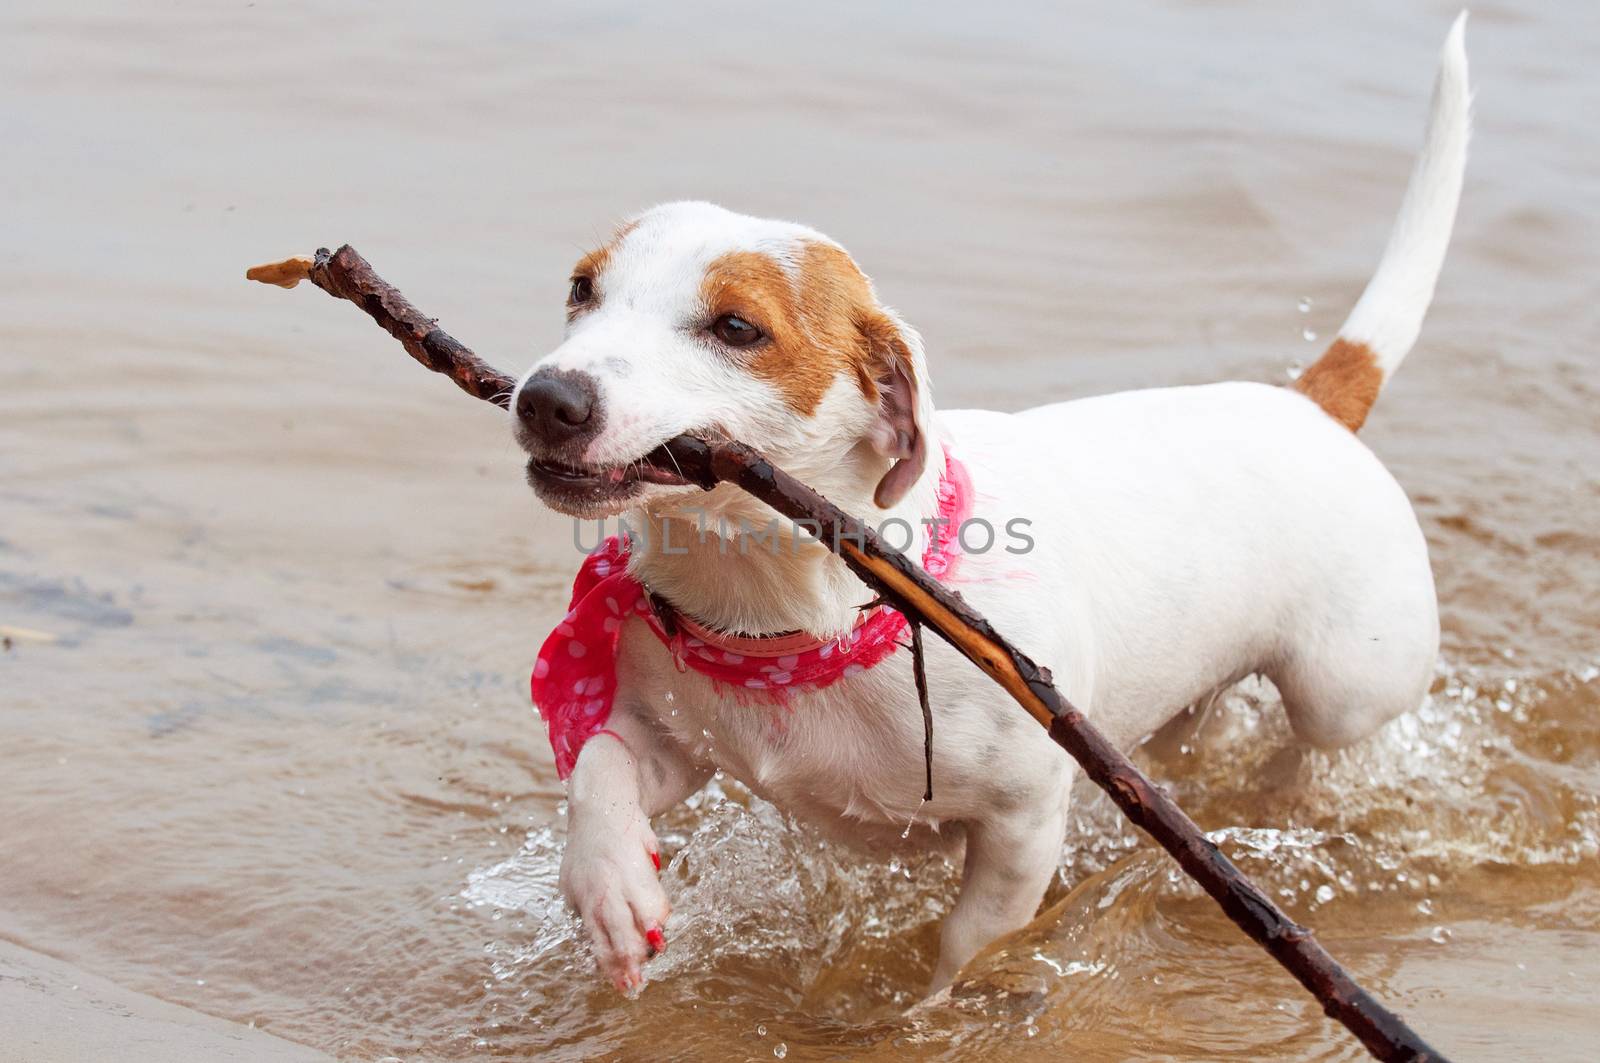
[[51, 1012], [277, 762]]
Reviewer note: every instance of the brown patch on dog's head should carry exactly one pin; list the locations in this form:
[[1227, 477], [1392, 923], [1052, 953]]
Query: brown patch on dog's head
[[1345, 382], [822, 322]]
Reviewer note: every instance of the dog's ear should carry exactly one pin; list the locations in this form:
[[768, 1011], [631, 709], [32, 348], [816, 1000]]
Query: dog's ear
[[897, 432]]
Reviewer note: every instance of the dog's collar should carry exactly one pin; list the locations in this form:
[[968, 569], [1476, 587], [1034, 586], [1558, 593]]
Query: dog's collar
[[575, 676], [676, 624]]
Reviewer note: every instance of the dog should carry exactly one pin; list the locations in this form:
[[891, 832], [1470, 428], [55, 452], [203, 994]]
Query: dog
[[1163, 545]]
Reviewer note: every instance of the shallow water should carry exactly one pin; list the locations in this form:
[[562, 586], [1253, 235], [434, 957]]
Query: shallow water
[[278, 763]]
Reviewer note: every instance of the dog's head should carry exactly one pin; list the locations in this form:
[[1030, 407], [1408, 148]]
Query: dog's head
[[696, 319]]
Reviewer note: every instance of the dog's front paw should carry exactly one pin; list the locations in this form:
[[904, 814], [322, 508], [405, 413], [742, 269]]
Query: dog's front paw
[[610, 875]]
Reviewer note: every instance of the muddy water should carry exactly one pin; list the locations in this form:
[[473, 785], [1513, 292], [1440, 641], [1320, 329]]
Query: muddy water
[[277, 763]]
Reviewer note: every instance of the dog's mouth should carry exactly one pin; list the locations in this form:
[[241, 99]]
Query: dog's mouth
[[585, 490]]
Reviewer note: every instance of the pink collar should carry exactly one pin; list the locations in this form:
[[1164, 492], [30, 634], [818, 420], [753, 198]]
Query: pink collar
[[575, 675], [766, 647]]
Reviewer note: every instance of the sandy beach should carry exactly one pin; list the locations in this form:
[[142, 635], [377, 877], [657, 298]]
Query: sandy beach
[[52, 1012]]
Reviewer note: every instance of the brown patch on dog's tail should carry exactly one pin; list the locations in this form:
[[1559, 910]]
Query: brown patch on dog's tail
[[1345, 382], [1384, 324]]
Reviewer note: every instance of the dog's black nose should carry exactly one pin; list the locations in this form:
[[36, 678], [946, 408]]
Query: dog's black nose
[[557, 407]]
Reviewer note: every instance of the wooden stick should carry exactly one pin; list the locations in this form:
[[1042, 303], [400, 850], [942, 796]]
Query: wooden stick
[[346, 274], [924, 600]]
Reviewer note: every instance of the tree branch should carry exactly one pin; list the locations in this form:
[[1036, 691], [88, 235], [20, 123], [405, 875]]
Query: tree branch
[[346, 274]]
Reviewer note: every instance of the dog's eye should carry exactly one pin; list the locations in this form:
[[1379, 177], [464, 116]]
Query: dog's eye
[[735, 331], [581, 292]]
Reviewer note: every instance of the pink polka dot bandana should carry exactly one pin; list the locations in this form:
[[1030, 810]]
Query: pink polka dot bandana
[[575, 676]]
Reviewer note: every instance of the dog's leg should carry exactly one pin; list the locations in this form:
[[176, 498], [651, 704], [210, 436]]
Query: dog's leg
[[1010, 859], [609, 869]]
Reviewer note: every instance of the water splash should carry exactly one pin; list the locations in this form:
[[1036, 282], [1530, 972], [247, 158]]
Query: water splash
[[1381, 840]]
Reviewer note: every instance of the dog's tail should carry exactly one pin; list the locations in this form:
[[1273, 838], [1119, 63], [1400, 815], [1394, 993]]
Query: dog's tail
[[1385, 322]]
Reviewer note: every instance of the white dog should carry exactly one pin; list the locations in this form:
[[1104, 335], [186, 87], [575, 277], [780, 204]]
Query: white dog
[[1151, 547]]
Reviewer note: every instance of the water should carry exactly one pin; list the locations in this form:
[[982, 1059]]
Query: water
[[277, 763]]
